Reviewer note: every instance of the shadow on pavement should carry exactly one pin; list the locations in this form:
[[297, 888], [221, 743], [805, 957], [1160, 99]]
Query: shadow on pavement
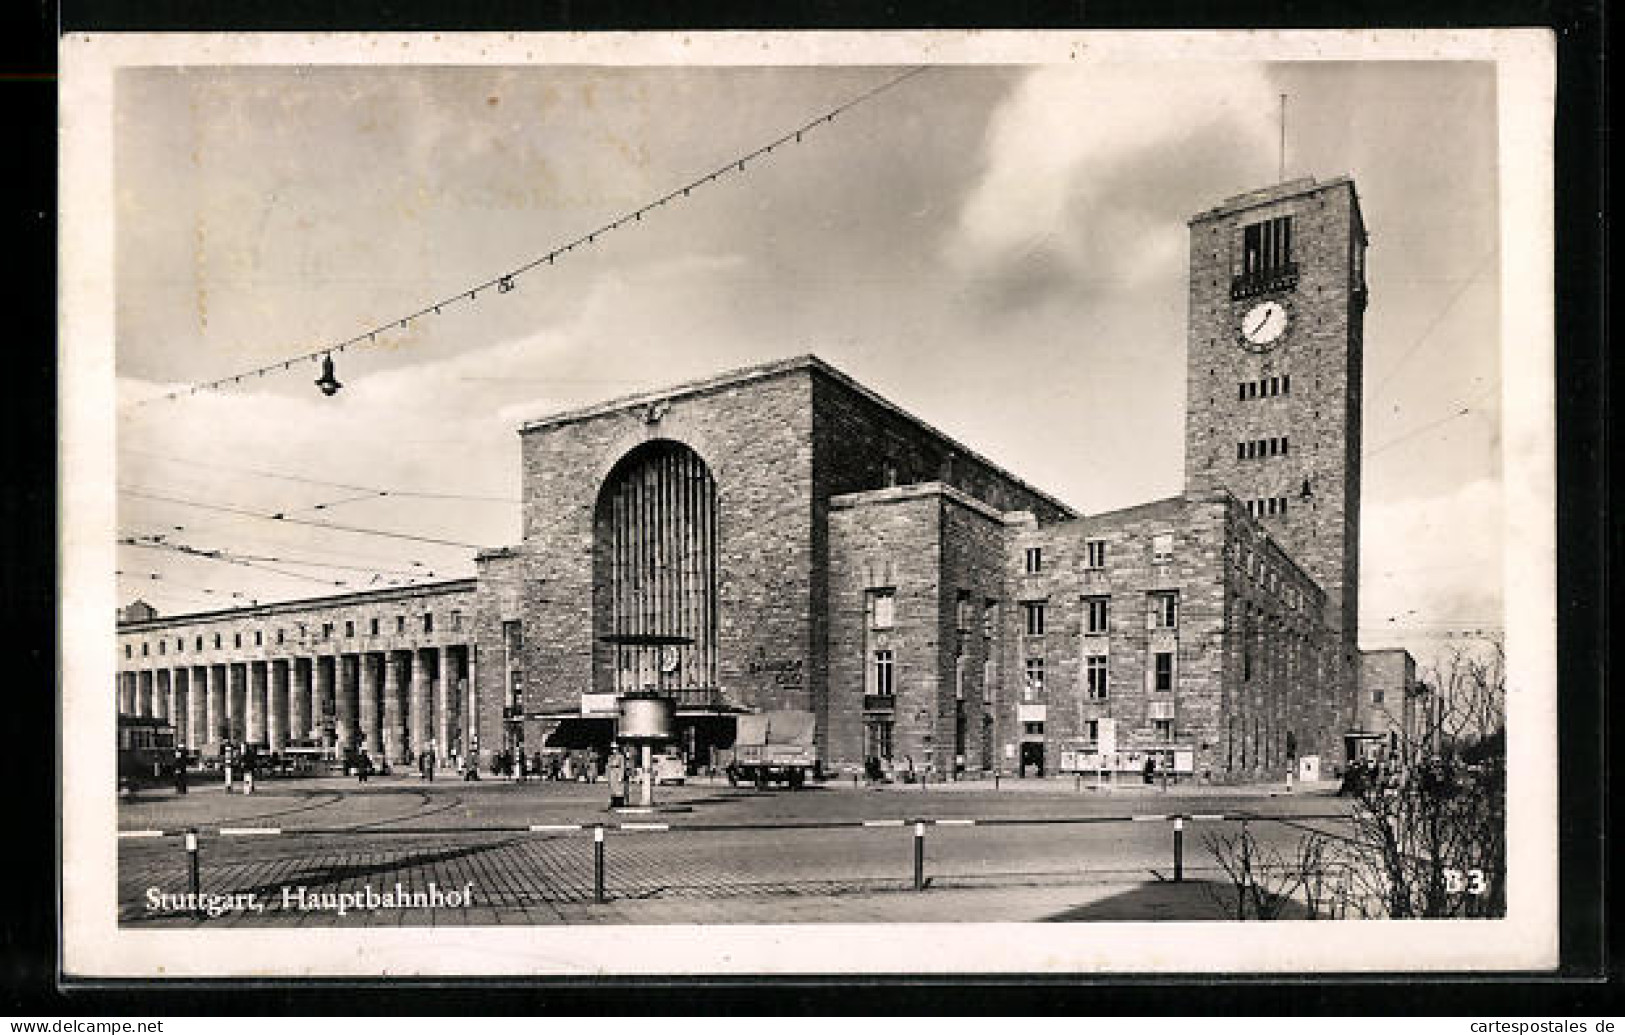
[[1165, 900]]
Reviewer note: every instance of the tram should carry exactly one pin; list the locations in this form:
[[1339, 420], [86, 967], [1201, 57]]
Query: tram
[[146, 751]]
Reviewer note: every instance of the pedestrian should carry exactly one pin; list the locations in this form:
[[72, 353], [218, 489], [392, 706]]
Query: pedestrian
[[180, 770], [363, 767], [616, 775], [1150, 767], [428, 766]]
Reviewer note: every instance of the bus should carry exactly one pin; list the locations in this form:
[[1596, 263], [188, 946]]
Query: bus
[[146, 751]]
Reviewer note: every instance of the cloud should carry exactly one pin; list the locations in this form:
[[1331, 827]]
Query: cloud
[[1089, 173], [1432, 565]]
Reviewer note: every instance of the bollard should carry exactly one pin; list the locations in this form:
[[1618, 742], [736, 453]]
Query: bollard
[[919, 856], [1179, 849], [598, 863], [996, 773], [1077, 780], [194, 885]]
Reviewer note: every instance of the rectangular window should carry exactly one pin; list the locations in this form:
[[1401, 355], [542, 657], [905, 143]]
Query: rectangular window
[[236, 639], [1275, 386], [1033, 729], [456, 619], [400, 624], [883, 684], [129, 651], [349, 629], [1241, 392], [1376, 697], [199, 644], [1283, 505], [372, 626], [882, 608], [216, 641], [1034, 612], [1162, 548], [259, 638], [1284, 445], [1241, 450], [1286, 384], [1163, 730], [1091, 731], [1035, 560], [281, 637], [1163, 671], [962, 612], [1094, 554], [1094, 668], [1095, 614], [163, 646], [143, 650], [990, 618], [1267, 245], [512, 636], [1032, 689], [428, 623], [1163, 610]]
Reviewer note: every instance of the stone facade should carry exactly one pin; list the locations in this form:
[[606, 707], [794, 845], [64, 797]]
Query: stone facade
[[1316, 474], [820, 549]]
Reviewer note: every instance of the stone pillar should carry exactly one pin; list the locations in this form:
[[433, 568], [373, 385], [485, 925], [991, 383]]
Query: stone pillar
[[276, 716], [446, 735], [395, 677], [219, 715], [197, 709], [236, 701], [256, 702], [421, 698], [302, 722], [160, 694], [179, 694], [143, 694], [372, 719], [335, 678], [477, 747], [126, 693]]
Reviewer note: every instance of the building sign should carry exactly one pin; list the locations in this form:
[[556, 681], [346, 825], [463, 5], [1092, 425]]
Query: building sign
[[1106, 736], [1031, 712], [599, 704]]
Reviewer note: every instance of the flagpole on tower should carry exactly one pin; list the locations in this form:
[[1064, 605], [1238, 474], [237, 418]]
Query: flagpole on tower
[[1282, 176]]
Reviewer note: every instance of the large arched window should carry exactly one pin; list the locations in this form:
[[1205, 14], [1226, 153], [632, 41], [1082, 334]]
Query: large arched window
[[655, 551]]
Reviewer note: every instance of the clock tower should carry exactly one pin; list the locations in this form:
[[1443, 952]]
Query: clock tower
[[1277, 303]]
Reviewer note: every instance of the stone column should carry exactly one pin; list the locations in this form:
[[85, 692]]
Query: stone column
[[276, 716], [395, 676], [302, 721], [197, 709], [476, 746], [256, 701], [236, 701], [160, 694], [179, 696], [143, 694], [446, 711], [126, 693], [335, 678], [372, 719], [421, 698], [219, 714]]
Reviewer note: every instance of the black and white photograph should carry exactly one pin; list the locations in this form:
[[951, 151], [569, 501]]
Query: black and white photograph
[[808, 503]]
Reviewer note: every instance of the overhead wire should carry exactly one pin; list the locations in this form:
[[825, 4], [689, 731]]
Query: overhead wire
[[278, 516], [504, 282]]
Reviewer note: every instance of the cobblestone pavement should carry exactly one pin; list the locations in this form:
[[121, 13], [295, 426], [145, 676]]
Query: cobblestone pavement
[[335, 838]]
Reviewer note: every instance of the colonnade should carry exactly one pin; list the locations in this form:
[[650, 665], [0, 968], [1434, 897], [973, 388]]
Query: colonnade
[[394, 704]]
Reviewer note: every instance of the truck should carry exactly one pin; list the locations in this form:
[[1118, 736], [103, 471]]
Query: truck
[[776, 747]]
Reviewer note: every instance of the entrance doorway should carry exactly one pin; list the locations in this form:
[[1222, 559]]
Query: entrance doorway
[[1032, 759]]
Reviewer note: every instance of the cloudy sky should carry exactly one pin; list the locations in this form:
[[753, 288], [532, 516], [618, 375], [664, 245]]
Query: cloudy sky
[[999, 250]]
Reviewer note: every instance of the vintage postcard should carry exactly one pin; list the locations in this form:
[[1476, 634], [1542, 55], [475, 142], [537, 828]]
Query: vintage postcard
[[873, 503]]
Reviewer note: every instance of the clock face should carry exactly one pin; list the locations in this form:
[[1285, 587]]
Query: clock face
[[1263, 324]]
